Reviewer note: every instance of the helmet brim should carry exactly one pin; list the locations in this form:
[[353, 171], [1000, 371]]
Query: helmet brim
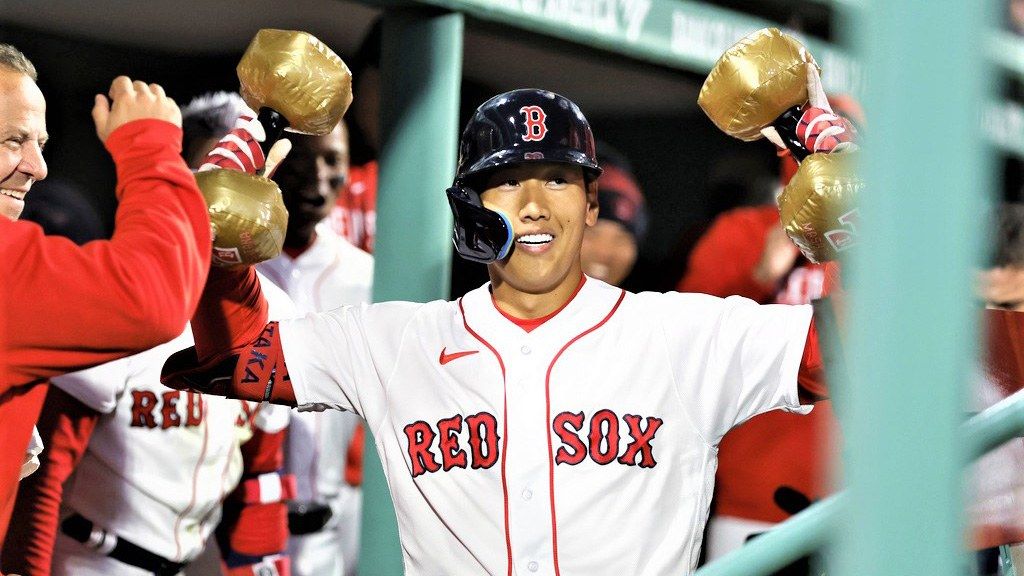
[[524, 155]]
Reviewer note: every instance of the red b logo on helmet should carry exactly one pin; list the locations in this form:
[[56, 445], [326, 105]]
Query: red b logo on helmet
[[535, 127]]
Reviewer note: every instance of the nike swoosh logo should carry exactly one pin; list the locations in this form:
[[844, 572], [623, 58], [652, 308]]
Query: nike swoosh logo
[[446, 358]]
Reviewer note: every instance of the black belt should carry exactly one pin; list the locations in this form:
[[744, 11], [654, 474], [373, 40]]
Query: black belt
[[307, 517], [81, 529]]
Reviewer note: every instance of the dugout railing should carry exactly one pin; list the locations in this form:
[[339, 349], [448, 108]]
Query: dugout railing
[[930, 68]]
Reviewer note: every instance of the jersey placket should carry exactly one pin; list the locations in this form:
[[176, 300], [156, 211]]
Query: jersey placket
[[530, 520]]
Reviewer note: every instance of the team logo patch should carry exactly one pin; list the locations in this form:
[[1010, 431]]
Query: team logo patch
[[226, 255], [534, 119], [843, 238]]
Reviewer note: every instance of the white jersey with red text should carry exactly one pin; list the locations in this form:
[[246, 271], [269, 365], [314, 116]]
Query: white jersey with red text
[[587, 446], [331, 273], [159, 461]]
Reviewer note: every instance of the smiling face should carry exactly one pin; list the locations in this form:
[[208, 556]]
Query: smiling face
[[549, 206], [22, 137]]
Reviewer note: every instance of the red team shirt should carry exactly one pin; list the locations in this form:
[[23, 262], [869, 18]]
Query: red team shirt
[[750, 468], [354, 216], [68, 307]]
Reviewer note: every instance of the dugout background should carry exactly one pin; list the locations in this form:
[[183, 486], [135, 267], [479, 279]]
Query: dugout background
[[689, 171]]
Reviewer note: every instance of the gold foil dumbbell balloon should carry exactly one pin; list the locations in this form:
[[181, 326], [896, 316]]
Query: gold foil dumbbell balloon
[[295, 83], [761, 82]]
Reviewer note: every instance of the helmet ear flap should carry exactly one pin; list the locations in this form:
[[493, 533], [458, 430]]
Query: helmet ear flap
[[478, 234]]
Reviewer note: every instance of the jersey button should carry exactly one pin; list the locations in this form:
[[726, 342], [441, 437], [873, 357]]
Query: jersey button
[[525, 349], [527, 494], [532, 566]]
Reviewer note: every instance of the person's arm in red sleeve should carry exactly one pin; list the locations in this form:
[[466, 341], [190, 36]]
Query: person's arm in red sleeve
[[65, 426], [810, 379], [727, 259], [254, 531], [830, 316], [237, 353], [76, 307]]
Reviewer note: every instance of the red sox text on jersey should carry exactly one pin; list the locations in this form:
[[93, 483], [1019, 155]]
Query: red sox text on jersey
[[601, 440]]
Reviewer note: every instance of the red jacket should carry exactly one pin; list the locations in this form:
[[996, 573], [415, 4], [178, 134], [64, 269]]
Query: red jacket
[[777, 448], [67, 307]]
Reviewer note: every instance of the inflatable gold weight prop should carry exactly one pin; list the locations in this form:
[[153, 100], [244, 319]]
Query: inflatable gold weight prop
[[295, 82], [759, 88], [818, 206], [755, 82]]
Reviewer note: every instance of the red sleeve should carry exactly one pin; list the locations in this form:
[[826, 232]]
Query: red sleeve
[[65, 426], [231, 313], [255, 525], [723, 261], [76, 307], [810, 379]]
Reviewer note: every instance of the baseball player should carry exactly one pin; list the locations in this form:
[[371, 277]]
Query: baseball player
[[73, 306], [546, 422], [135, 475], [321, 270]]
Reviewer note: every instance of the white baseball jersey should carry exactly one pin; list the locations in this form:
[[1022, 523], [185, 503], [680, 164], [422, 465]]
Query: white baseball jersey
[[330, 274], [159, 461], [587, 446]]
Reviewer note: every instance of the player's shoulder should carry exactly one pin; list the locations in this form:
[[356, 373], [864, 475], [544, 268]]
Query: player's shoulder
[[675, 299], [280, 305], [675, 308], [356, 261]]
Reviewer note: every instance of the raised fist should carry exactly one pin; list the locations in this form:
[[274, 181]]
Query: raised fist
[[132, 101]]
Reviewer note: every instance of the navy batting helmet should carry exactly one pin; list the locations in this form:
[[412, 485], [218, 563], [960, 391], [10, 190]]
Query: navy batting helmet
[[525, 125]]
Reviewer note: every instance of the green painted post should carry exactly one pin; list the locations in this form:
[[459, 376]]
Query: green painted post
[[421, 68], [913, 326]]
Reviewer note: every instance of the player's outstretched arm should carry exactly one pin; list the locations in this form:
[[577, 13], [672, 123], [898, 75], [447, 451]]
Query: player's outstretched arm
[[65, 426], [237, 353], [80, 306]]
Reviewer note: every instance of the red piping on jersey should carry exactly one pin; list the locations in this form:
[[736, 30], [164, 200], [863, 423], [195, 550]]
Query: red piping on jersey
[[531, 324], [195, 480], [504, 430], [547, 400]]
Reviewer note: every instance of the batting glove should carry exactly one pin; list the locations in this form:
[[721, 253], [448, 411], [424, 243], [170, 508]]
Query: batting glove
[[239, 149]]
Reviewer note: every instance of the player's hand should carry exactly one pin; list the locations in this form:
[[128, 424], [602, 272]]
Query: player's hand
[[822, 130], [778, 257], [240, 148], [132, 101]]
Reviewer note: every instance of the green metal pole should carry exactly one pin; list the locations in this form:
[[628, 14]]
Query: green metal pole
[[797, 537], [913, 329], [809, 530], [421, 67]]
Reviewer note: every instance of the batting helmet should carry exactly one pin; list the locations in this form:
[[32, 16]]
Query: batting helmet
[[525, 125]]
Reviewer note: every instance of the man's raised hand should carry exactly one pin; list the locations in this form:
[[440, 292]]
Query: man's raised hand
[[132, 101]]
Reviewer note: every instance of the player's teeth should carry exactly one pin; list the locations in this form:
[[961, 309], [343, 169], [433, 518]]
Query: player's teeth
[[6, 193], [535, 238]]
